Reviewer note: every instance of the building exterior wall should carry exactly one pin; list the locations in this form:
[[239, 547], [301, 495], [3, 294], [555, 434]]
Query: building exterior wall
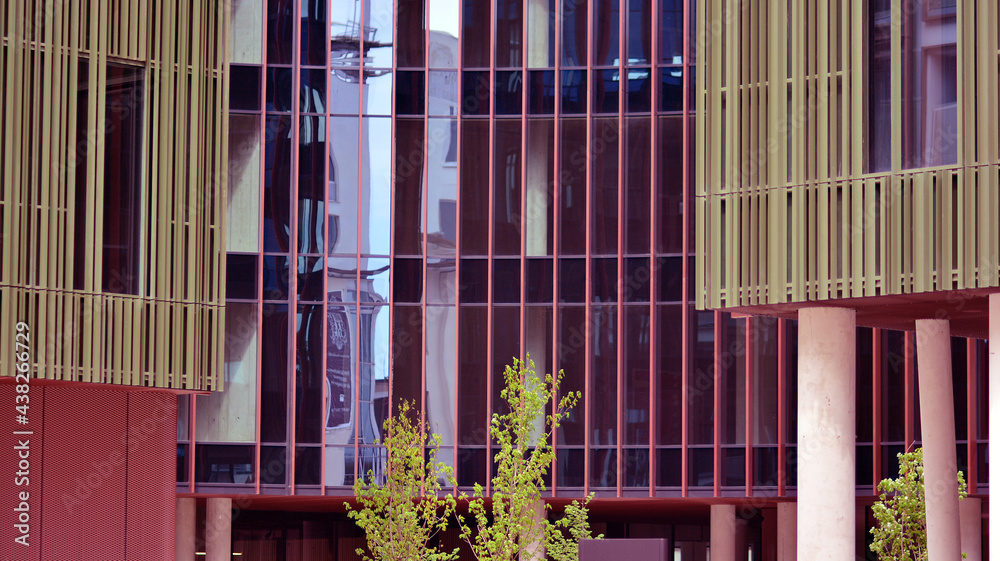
[[844, 150], [114, 158]]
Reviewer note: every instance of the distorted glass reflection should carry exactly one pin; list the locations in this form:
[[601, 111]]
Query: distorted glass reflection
[[441, 377], [376, 181], [342, 190]]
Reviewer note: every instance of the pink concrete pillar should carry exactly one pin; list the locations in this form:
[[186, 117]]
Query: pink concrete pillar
[[826, 452], [937, 426], [723, 533], [219, 530], [786, 531], [972, 528], [184, 532]]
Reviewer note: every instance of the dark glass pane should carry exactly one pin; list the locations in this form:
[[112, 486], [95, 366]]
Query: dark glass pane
[[217, 463], [637, 185], [274, 373], [669, 467], [572, 359], [244, 87], [701, 467], [507, 281], [765, 466], [701, 402], [539, 286], [864, 465], [279, 89], [765, 379], [312, 91], [604, 187], [410, 33], [669, 379], [507, 185], [84, 134], [540, 187], [508, 92], [570, 464], [273, 462], [407, 362], [636, 281], [277, 182], [672, 88], [639, 86], [122, 180], [792, 381], [573, 196], [604, 376], [182, 463], [605, 36], [506, 347], [311, 274], [408, 184], [732, 412], [314, 35], [880, 23], [671, 185], [340, 368], [792, 467], [574, 37], [959, 369], [574, 92], [508, 40], [307, 464], [471, 466], [606, 91], [863, 385], [410, 92], [635, 468], [541, 92], [636, 376], [538, 337], [572, 280], [408, 285], [929, 83], [604, 468], [476, 92], [276, 277], [474, 184], [440, 281], [472, 416], [734, 466], [893, 376], [312, 184], [476, 34], [639, 29], [672, 31], [309, 376], [604, 279], [280, 19], [472, 278], [671, 277]]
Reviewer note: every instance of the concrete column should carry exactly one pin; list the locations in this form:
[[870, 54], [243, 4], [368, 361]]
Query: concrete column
[[994, 350], [786, 531], [219, 530], [971, 510], [535, 548], [723, 533], [184, 543], [937, 426], [826, 463]]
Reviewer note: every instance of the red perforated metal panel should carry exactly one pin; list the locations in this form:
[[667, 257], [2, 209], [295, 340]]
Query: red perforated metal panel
[[84, 495], [152, 471]]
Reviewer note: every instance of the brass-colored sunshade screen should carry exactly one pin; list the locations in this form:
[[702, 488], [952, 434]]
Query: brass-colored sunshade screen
[[113, 157], [845, 149]]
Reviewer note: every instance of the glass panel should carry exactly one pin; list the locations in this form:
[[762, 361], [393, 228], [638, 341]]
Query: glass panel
[[637, 185], [604, 279], [476, 92], [245, 47], [223, 464], [669, 467], [244, 87], [508, 39], [311, 273], [280, 19], [574, 38], [375, 226], [471, 466], [636, 376], [671, 187], [570, 464], [604, 468], [672, 31], [309, 373], [441, 377], [443, 23], [635, 468], [893, 376], [312, 91], [539, 285], [734, 466], [243, 198], [378, 30], [701, 403], [410, 92], [638, 90], [508, 92], [375, 279], [572, 280], [574, 92], [701, 467], [373, 381], [307, 464], [506, 347], [765, 381], [669, 378], [410, 33], [182, 463], [732, 413], [313, 36], [572, 359], [472, 416], [476, 37], [604, 187], [407, 335], [639, 29], [538, 338], [474, 213], [345, 91], [345, 36], [378, 93], [279, 89], [792, 382], [539, 193], [442, 182], [231, 415], [672, 88], [441, 281], [443, 88], [930, 88], [506, 281], [864, 415], [541, 33], [473, 281], [671, 270], [312, 184], [274, 374], [339, 412], [276, 277], [606, 91], [277, 182], [273, 461], [409, 285], [408, 184], [636, 281], [541, 92], [343, 186], [604, 376], [340, 466], [241, 277], [342, 275], [573, 195], [880, 86], [605, 36], [507, 185], [959, 368], [765, 466]]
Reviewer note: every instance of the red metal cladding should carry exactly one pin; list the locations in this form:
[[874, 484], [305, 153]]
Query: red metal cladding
[[151, 471]]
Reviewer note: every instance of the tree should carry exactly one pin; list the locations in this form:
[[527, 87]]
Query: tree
[[402, 514], [505, 527], [901, 532]]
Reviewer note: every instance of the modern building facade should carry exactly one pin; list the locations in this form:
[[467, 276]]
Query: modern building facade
[[113, 158]]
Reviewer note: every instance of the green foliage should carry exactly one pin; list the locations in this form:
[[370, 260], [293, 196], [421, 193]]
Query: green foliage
[[901, 532], [504, 528], [402, 514]]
